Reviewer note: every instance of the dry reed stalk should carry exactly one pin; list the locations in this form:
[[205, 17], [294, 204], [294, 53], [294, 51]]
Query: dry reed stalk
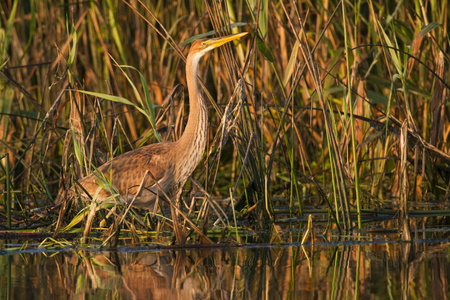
[[403, 182], [437, 105]]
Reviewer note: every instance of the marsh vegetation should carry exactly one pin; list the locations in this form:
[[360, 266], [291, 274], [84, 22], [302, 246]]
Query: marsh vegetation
[[330, 117]]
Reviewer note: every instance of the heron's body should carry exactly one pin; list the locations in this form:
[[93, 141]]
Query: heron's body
[[168, 164]]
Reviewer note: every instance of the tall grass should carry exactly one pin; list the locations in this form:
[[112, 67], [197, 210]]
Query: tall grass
[[326, 88]]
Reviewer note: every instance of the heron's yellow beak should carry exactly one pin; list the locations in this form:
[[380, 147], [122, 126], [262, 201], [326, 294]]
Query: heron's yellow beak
[[217, 42]]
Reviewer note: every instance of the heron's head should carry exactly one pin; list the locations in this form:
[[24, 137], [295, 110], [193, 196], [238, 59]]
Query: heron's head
[[201, 47]]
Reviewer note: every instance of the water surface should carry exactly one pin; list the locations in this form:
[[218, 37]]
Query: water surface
[[338, 270]]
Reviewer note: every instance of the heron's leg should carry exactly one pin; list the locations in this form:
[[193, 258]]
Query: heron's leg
[[179, 230]]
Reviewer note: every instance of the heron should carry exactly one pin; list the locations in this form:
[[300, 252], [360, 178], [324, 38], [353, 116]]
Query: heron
[[141, 175]]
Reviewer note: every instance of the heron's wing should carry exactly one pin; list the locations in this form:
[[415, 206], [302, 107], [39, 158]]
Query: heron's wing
[[126, 172]]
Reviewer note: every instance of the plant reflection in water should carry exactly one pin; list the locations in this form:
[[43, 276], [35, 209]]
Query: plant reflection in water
[[340, 271]]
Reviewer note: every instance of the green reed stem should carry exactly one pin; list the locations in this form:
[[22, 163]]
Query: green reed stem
[[234, 215], [290, 148], [352, 125], [8, 192]]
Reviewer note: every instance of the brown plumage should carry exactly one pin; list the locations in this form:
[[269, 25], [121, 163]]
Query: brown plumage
[[168, 163]]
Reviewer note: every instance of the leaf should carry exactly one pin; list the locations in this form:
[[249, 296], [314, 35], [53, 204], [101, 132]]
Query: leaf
[[376, 98], [149, 105], [114, 30], [415, 45], [30, 114], [150, 112], [108, 97], [6, 101], [291, 64], [78, 153], [265, 51], [73, 49], [425, 29], [4, 64], [115, 99], [150, 108], [77, 219], [372, 136], [32, 27], [121, 67], [391, 93], [263, 18], [393, 53], [5, 39]]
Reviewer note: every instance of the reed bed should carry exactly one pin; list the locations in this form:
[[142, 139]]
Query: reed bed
[[327, 107]]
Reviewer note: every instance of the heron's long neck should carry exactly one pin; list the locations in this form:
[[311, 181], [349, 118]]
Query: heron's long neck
[[192, 143]]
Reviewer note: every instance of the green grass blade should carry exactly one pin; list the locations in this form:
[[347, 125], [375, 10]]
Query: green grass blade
[[73, 48], [7, 37], [115, 31], [150, 111], [114, 99], [291, 64], [393, 54]]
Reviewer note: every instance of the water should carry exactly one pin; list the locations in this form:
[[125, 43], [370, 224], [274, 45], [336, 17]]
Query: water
[[339, 270]]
